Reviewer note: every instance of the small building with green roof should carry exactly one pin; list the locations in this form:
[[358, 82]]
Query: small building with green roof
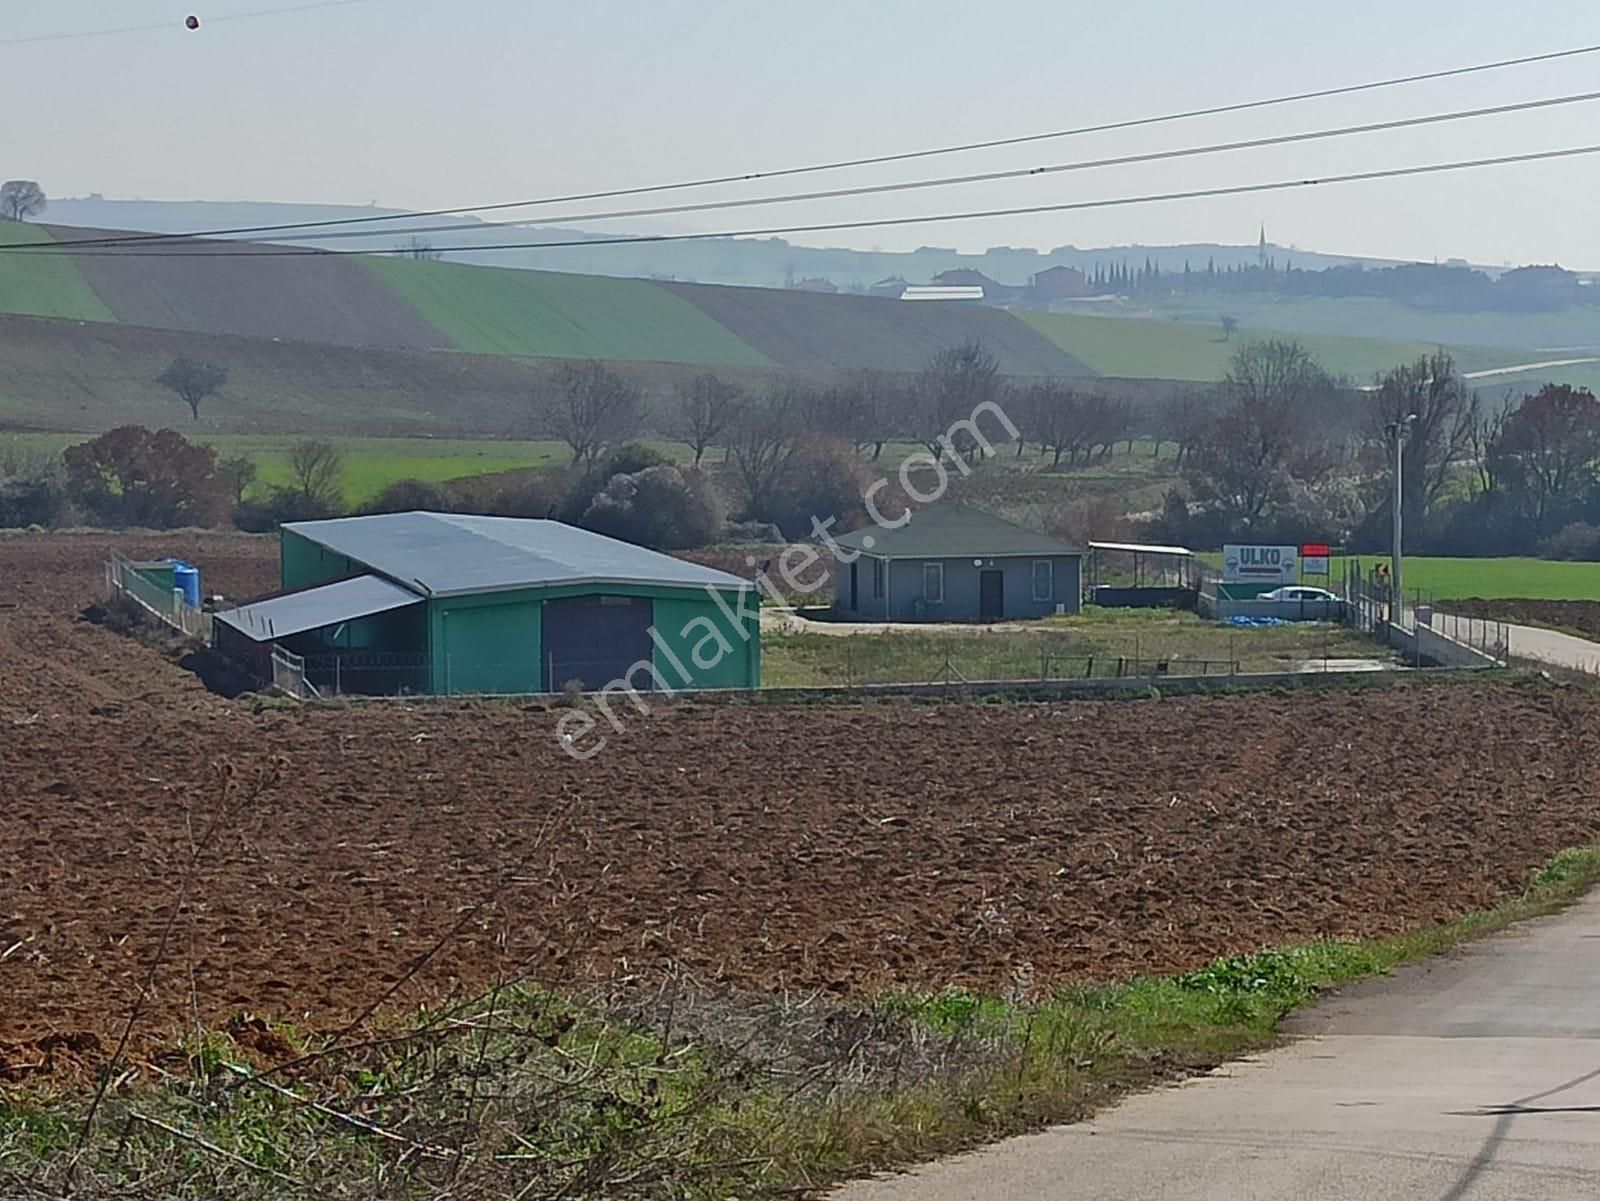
[[950, 562]]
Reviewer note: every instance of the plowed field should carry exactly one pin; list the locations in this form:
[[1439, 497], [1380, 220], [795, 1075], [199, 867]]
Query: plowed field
[[434, 847]]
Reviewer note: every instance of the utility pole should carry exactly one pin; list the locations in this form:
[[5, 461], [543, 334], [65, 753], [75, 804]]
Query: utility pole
[[1397, 431]]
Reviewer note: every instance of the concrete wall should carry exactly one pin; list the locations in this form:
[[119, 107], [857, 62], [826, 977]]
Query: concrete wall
[[904, 600], [1436, 649], [1221, 608]]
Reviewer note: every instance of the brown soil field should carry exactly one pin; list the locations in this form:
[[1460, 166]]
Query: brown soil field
[[252, 293], [415, 850], [1581, 617], [810, 330]]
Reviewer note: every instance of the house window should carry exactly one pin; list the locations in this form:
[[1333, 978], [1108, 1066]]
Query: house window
[[877, 579], [1044, 580], [933, 583]]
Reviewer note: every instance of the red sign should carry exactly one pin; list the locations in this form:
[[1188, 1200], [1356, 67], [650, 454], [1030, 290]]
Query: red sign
[[1315, 550]]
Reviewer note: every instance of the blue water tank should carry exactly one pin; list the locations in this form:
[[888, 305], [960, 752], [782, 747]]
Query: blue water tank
[[186, 579]]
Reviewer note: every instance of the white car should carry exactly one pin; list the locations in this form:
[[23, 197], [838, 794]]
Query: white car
[[1298, 593]]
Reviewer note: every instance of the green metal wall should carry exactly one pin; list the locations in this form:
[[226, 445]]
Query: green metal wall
[[485, 643], [492, 642], [699, 634], [302, 562]]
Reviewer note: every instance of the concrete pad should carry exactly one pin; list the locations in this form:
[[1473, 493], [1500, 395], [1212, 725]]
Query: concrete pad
[[1476, 1076]]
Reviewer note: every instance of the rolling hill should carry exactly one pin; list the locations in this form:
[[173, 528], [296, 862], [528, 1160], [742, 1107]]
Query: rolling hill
[[366, 344]]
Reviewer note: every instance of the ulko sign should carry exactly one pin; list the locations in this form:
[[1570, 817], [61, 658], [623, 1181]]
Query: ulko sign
[[1260, 564]]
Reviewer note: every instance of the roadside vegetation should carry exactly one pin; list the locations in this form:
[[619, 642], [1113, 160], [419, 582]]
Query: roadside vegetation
[[674, 1091]]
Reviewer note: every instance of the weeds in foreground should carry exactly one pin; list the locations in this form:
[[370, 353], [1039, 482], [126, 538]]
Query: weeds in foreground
[[677, 1092]]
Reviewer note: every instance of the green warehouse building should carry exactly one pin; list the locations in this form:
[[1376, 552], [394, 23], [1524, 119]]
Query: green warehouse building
[[447, 603]]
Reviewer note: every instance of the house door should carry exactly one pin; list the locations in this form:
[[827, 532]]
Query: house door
[[991, 595], [855, 590]]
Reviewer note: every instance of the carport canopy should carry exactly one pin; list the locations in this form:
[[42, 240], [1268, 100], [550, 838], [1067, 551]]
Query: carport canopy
[[318, 607]]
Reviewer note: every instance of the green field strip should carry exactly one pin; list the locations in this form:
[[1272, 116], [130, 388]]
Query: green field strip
[[542, 314], [44, 283], [1160, 349]]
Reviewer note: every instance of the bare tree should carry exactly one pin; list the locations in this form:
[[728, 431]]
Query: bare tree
[[21, 199], [1447, 417], [1178, 420], [1245, 460], [1229, 325], [761, 442], [194, 382], [419, 248], [240, 474], [954, 383], [316, 472], [1547, 454], [702, 411], [872, 409], [1051, 414], [590, 408]]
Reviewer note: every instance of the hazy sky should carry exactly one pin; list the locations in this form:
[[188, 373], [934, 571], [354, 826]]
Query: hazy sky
[[421, 103]]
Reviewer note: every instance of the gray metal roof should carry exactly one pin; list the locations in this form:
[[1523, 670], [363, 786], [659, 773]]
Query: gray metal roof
[[452, 554], [951, 531], [314, 608]]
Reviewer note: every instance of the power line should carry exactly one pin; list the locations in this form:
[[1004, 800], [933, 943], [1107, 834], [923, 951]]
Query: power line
[[873, 160], [225, 250], [170, 26], [941, 181]]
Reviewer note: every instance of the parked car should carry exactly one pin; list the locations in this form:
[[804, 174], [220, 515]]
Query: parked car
[[1299, 593]]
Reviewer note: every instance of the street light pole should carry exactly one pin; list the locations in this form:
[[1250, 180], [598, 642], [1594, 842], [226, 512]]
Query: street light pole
[[1397, 431]]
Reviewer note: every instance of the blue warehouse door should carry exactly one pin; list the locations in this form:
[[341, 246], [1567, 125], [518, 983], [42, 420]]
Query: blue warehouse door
[[596, 639]]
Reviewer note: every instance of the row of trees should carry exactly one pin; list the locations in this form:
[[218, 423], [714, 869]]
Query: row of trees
[[1283, 451], [133, 476]]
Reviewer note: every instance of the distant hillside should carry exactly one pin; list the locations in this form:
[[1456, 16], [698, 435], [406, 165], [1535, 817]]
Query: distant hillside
[[372, 301], [756, 262]]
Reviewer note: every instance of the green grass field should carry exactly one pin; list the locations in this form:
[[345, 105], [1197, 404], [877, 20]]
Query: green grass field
[[45, 284], [1359, 317], [370, 464], [1099, 642], [1167, 349], [1441, 578], [1492, 579], [546, 315]]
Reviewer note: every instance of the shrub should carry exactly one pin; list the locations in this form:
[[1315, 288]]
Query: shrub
[[661, 507], [631, 458], [281, 505], [1578, 541], [133, 477], [823, 478], [407, 496]]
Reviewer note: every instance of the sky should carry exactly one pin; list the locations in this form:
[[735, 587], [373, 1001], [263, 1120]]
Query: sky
[[423, 104]]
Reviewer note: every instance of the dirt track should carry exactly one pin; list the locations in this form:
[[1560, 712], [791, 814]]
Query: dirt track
[[844, 848]]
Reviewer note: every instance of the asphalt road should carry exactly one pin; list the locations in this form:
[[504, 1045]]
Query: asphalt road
[[1475, 1077], [1526, 642]]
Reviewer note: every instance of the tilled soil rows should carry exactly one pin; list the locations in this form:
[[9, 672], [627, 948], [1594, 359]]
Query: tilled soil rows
[[424, 849]]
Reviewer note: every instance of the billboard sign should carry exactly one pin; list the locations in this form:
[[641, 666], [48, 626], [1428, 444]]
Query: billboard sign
[[1314, 558], [1260, 564]]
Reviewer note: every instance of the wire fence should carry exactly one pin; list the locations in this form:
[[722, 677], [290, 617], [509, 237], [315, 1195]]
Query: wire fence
[[124, 577], [1370, 606]]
